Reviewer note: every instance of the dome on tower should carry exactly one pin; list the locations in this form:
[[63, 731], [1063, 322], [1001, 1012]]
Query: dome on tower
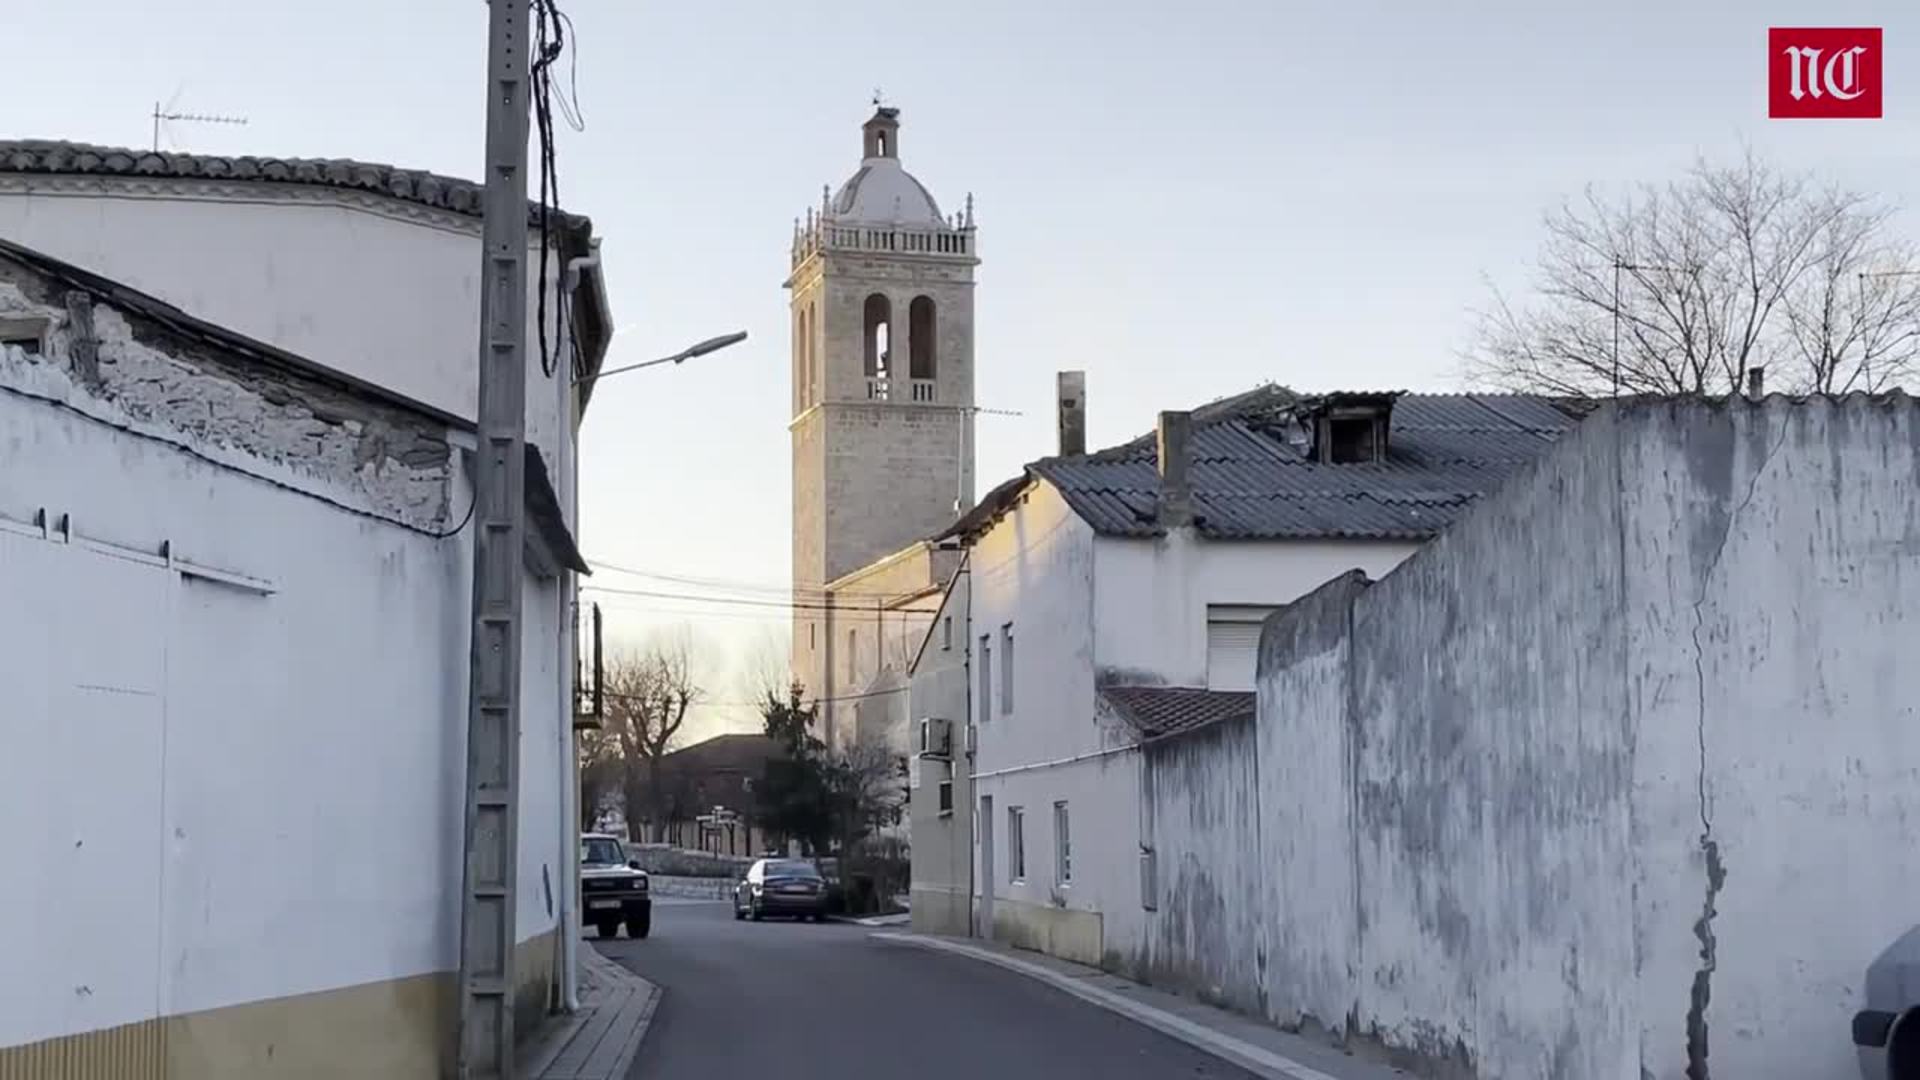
[[882, 192]]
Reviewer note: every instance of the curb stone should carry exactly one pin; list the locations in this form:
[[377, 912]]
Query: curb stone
[[611, 1041]]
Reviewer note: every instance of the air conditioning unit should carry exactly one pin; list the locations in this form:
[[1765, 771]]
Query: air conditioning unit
[[936, 738]]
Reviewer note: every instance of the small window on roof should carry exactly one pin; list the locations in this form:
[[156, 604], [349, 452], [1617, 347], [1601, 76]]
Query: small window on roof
[[1352, 441]]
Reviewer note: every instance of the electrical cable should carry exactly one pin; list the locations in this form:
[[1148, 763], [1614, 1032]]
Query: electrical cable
[[551, 27], [764, 588], [757, 704], [795, 605]]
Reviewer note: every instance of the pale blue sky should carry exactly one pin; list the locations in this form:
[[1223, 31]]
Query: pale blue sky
[[1184, 199]]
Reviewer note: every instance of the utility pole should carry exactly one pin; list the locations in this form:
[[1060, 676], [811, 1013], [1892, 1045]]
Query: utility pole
[[485, 1047]]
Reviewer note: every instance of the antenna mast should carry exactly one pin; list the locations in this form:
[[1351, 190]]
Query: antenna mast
[[167, 115]]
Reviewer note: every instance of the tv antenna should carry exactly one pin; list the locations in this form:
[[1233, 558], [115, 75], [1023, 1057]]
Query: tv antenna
[[166, 114]]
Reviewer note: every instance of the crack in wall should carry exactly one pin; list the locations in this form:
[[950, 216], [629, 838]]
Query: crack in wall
[[1701, 993]]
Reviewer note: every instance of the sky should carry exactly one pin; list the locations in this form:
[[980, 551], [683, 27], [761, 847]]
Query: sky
[[1182, 199]]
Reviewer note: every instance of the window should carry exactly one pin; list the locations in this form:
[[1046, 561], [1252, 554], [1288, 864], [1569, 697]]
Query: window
[[946, 634], [986, 677], [853, 655], [1017, 843], [811, 642], [1233, 644], [920, 338], [1006, 670], [29, 335], [602, 851], [946, 797], [810, 326], [1062, 845], [1356, 438], [877, 332]]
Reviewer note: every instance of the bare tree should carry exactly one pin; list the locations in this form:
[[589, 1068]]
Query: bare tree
[[646, 701], [873, 785], [601, 772], [1682, 288], [764, 666]]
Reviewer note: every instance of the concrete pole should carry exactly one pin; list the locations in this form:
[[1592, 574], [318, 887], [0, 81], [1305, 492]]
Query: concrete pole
[[490, 852]]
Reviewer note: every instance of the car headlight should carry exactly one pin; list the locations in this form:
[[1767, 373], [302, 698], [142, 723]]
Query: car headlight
[[640, 883]]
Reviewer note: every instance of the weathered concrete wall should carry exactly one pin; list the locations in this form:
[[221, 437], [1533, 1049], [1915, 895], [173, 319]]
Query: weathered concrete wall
[[1206, 932], [1489, 770], [1772, 605], [1573, 766]]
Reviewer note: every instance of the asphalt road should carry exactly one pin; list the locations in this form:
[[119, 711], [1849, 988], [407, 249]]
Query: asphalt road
[[804, 1001]]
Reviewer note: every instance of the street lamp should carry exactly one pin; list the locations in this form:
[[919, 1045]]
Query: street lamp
[[712, 344]]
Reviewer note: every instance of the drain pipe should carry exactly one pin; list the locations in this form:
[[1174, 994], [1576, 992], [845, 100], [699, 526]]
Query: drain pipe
[[568, 922]]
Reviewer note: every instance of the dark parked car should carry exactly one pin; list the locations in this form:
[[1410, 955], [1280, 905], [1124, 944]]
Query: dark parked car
[[781, 887], [613, 889]]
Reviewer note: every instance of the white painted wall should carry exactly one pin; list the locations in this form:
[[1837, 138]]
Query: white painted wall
[[1151, 603], [220, 796], [388, 295], [1035, 570], [278, 775]]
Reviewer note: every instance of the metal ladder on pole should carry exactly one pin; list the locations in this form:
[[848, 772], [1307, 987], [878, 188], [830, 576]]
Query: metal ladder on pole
[[485, 1041]]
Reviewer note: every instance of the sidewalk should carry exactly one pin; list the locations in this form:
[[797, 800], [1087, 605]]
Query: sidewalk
[[599, 1041], [1259, 1048]]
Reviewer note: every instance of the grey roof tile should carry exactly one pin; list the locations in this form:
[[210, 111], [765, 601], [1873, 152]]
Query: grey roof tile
[[1154, 711], [1252, 477], [54, 157]]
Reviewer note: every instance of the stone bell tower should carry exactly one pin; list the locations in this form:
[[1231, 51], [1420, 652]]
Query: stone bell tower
[[882, 301]]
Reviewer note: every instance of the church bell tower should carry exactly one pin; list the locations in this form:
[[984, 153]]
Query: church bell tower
[[882, 318]]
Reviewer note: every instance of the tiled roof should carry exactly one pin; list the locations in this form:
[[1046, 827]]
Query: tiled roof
[[1252, 476], [543, 513], [1167, 710], [54, 157]]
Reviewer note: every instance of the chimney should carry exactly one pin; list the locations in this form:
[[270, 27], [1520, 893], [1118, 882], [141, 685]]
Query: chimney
[[1072, 398], [1756, 383], [1176, 495]]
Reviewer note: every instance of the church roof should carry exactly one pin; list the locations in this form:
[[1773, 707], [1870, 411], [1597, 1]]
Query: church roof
[[1253, 477], [884, 193]]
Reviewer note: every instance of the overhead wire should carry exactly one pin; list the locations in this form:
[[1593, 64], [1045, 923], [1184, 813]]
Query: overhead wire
[[743, 585], [756, 704], [793, 605]]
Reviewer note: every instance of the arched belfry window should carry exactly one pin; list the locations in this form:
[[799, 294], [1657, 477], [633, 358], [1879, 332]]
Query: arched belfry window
[[921, 328], [811, 388], [878, 333]]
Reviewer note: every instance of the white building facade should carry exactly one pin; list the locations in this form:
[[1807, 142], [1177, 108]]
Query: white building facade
[[1112, 602], [284, 774]]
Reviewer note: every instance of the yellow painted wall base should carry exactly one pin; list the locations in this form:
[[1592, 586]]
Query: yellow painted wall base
[[1062, 932], [402, 1028]]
